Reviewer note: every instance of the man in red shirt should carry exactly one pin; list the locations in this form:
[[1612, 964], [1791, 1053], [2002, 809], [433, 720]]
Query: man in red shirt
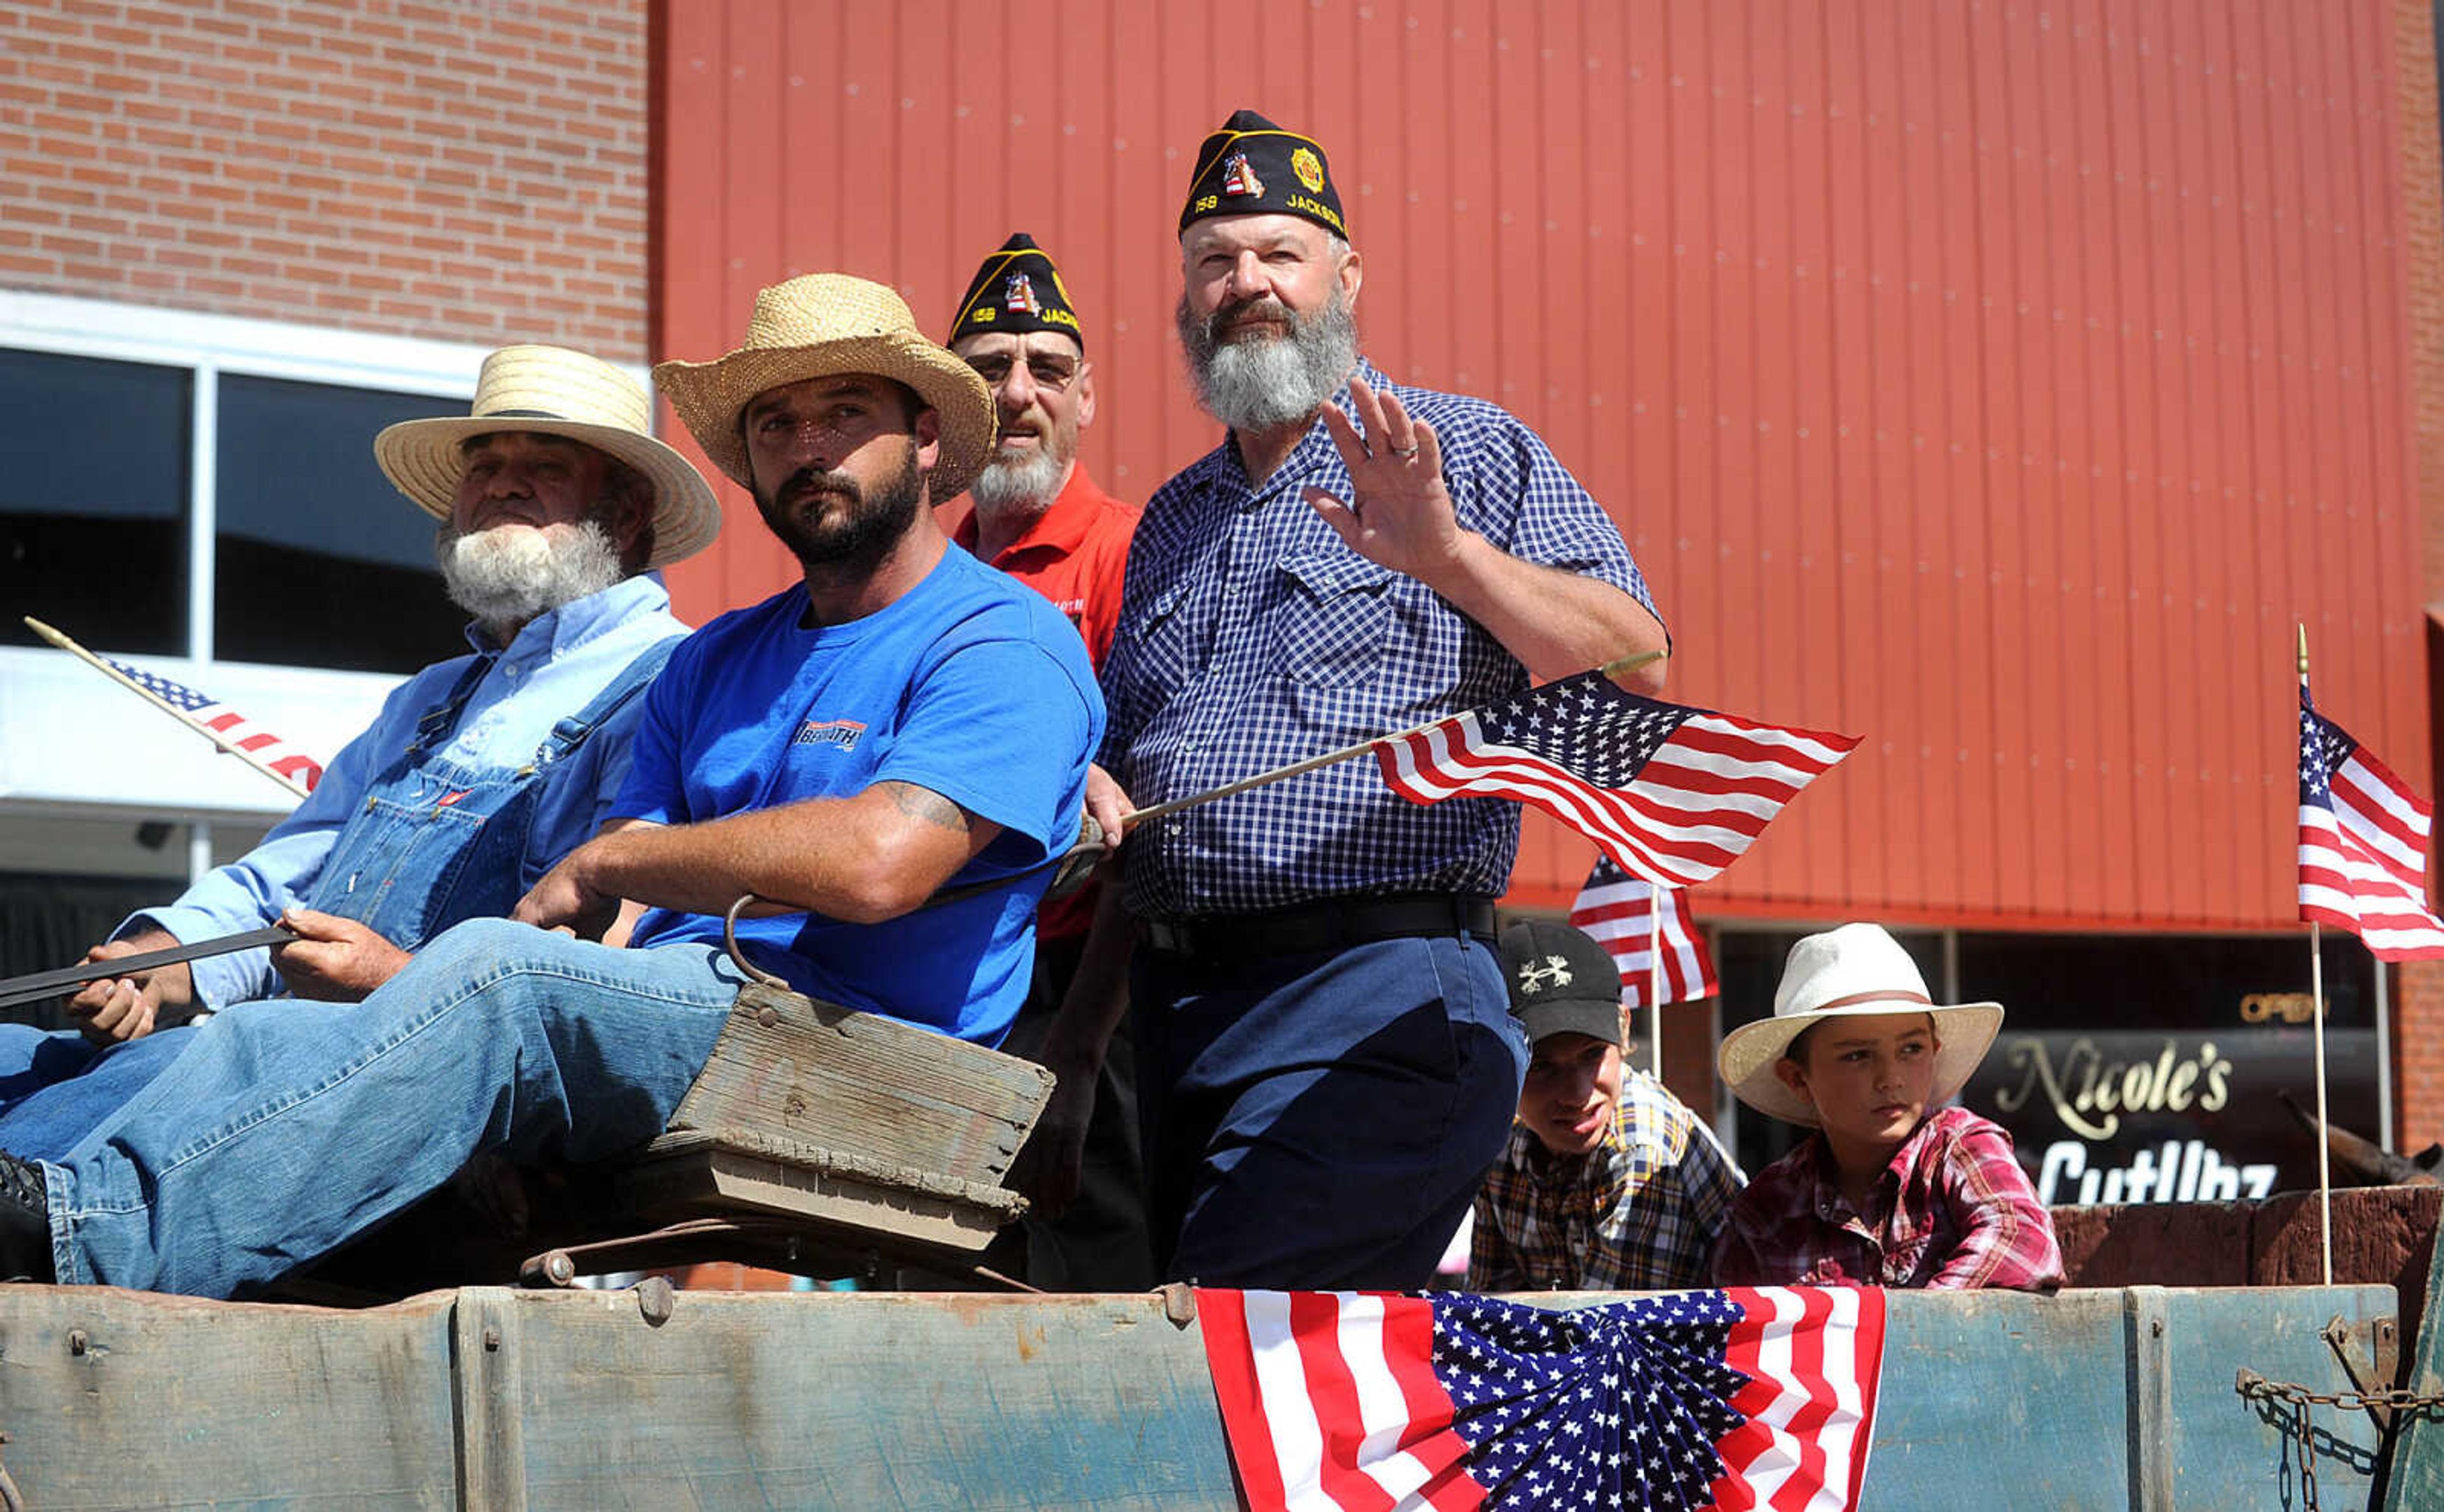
[[1036, 514]]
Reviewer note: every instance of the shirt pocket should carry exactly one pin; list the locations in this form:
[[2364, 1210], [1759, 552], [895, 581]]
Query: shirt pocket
[[1163, 637], [1334, 619]]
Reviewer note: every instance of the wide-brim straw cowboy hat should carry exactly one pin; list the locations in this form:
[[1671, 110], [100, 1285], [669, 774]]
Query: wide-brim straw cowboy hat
[[553, 390], [1850, 973], [817, 325]]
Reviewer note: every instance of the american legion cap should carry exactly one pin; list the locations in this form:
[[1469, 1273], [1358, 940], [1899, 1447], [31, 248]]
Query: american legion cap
[[1252, 167], [1018, 289]]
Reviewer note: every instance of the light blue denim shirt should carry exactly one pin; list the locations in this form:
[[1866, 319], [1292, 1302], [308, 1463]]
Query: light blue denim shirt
[[554, 667]]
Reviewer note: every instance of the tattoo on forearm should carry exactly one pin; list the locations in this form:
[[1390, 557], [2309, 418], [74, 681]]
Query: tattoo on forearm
[[923, 803]]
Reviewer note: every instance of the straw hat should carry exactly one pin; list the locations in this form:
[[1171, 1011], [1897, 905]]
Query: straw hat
[[1847, 973], [553, 390], [818, 326]]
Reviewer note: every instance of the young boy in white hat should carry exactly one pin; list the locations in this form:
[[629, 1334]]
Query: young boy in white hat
[[1896, 1189], [1609, 1183]]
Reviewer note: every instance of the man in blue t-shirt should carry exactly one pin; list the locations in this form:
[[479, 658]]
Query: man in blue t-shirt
[[902, 720]]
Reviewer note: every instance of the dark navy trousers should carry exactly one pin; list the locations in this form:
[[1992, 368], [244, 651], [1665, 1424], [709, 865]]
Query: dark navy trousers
[[1321, 1121]]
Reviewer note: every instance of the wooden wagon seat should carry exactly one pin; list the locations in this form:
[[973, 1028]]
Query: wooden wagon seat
[[854, 1123], [873, 1136]]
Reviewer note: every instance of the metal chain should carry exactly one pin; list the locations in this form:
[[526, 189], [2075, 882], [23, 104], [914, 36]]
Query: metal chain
[[2299, 1432], [2393, 1398], [2303, 1434]]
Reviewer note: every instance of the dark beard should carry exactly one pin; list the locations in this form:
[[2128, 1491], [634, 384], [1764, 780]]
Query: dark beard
[[874, 523]]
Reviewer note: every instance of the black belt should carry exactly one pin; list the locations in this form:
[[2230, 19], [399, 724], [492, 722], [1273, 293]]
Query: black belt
[[1330, 925]]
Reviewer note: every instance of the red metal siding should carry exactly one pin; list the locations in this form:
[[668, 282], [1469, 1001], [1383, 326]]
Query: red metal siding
[[1997, 381]]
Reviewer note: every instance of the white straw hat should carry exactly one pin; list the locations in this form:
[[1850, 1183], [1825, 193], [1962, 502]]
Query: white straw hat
[[1850, 973], [817, 325], [553, 390]]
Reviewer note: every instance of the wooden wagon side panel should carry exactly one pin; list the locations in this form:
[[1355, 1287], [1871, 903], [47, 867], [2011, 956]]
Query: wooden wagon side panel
[[118, 1398]]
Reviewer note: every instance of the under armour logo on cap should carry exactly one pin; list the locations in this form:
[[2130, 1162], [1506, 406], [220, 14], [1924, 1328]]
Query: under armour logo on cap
[[1534, 976]]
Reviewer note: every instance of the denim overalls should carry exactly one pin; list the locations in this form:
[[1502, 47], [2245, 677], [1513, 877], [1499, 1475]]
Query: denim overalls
[[432, 843], [436, 843]]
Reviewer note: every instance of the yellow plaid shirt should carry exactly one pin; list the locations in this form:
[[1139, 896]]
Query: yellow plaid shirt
[[1639, 1212]]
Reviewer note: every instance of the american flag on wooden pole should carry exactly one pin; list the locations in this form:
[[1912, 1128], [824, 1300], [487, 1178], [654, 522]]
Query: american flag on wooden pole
[[230, 729], [1670, 793], [1740, 1399], [216, 722], [1620, 913], [2363, 845]]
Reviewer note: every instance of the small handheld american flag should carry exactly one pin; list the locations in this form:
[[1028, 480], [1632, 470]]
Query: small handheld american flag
[[1671, 793], [226, 726]]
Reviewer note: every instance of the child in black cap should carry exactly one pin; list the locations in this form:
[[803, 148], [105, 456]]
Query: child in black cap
[[1609, 1182]]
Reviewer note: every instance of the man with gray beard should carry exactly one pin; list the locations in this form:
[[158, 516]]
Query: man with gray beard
[[1036, 514], [481, 771], [1328, 1061]]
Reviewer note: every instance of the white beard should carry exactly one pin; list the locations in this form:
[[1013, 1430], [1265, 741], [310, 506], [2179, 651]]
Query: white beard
[[1028, 485], [509, 574]]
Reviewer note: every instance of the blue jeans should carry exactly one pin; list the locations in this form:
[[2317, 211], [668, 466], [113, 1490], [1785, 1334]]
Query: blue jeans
[[403, 865], [1321, 1121], [283, 1128], [55, 1085]]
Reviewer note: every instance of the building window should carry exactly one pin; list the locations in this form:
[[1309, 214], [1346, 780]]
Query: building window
[[203, 486], [93, 502], [309, 532]]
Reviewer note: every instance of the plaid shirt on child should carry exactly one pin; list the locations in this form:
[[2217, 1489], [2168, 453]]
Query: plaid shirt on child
[[1639, 1212], [1953, 1210]]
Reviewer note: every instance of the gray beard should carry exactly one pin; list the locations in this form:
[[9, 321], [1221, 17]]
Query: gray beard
[[1269, 383], [1020, 487], [505, 576]]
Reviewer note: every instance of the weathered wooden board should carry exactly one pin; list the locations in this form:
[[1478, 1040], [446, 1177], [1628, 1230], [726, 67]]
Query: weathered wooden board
[[2121, 1398], [862, 1083], [727, 1172], [867, 1402], [173, 1401], [2418, 1480]]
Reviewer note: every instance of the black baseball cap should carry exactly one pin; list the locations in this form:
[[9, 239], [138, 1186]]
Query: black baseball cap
[[1561, 981]]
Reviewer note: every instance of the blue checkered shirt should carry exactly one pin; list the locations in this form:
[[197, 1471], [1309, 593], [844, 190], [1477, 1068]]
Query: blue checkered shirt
[[1251, 638]]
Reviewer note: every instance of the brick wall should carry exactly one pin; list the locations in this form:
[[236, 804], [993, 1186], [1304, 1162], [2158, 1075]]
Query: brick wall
[[472, 171]]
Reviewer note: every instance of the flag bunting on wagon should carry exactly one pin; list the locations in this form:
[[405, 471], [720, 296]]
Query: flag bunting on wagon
[[210, 715], [1671, 793], [2363, 845], [1617, 911], [1752, 1398]]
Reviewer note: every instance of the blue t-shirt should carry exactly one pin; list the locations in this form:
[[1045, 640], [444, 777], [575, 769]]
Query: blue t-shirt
[[969, 685]]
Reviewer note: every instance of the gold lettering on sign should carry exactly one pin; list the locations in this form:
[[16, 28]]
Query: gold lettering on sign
[[2291, 1007], [2089, 1093]]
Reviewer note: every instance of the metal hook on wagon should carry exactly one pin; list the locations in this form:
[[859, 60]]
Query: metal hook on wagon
[[729, 943]]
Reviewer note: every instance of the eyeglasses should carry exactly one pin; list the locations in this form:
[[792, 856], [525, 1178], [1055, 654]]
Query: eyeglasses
[[1050, 374]]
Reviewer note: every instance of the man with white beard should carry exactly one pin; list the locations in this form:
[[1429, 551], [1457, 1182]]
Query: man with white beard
[[1327, 1060], [481, 771], [1035, 513]]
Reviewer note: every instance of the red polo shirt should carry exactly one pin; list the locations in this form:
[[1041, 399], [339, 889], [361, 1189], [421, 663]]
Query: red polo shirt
[[1074, 554]]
